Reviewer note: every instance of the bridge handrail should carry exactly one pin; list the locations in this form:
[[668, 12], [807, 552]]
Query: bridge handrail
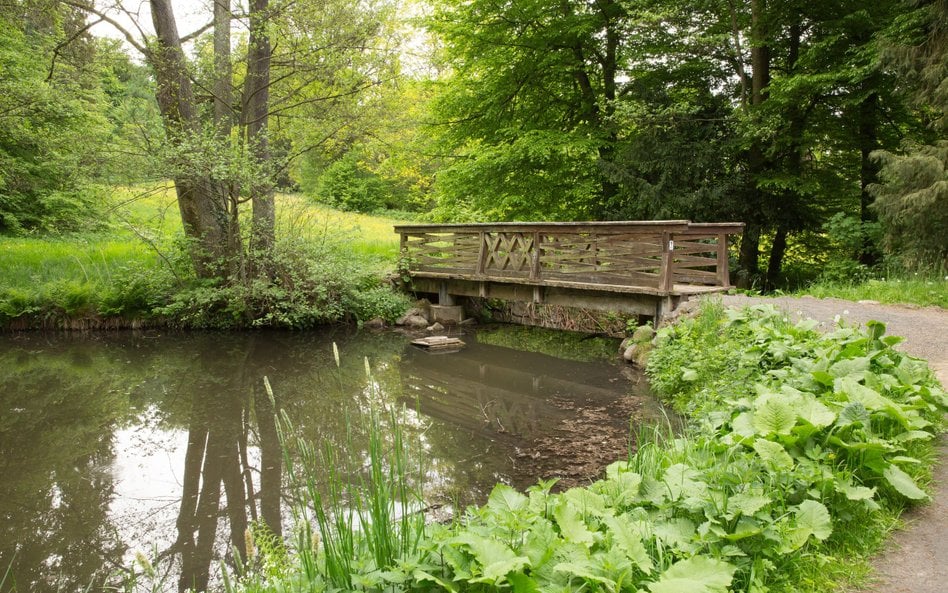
[[656, 256]]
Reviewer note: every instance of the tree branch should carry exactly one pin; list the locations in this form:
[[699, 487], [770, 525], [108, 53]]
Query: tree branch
[[103, 17], [63, 44]]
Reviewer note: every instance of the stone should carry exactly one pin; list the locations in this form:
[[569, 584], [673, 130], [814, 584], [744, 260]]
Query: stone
[[868, 302], [375, 323], [435, 327], [450, 314], [416, 321], [413, 312], [469, 321], [643, 333], [629, 353]]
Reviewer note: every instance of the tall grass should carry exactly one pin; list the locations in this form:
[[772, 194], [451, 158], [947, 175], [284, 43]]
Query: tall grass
[[369, 516]]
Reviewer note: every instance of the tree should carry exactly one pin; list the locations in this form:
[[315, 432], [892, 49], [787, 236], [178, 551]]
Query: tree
[[530, 103], [912, 196], [52, 120], [215, 170]]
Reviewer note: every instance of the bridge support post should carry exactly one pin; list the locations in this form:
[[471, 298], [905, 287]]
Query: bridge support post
[[445, 298]]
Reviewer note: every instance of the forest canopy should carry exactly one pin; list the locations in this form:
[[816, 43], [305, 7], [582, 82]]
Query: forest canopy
[[818, 125]]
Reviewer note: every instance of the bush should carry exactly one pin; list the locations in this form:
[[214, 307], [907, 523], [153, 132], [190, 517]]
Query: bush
[[348, 185]]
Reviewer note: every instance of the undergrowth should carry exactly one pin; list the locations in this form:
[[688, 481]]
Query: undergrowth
[[802, 449]]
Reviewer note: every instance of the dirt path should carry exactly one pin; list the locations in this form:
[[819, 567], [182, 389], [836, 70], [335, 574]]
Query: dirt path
[[916, 557]]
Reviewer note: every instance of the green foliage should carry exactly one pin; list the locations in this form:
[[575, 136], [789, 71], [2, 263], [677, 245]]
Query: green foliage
[[848, 237], [309, 284], [912, 203], [52, 121], [348, 185], [327, 267]]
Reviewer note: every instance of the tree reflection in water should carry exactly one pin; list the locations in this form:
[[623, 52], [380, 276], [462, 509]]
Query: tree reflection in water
[[101, 434]]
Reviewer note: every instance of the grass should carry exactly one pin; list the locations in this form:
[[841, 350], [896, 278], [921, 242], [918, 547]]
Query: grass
[[913, 290], [29, 263], [133, 266]]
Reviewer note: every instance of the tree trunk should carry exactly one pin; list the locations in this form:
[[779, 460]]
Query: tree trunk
[[203, 213], [794, 165], [756, 162], [271, 464], [777, 251], [255, 112]]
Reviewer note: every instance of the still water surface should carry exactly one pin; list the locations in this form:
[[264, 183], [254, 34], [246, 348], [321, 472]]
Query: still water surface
[[165, 444]]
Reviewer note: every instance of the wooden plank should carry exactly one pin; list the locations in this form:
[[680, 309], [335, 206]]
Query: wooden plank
[[666, 279], [724, 277]]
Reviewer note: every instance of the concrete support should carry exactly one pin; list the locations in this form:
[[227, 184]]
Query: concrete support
[[447, 314]]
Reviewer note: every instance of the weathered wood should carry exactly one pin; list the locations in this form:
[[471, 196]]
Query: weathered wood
[[645, 257], [438, 342]]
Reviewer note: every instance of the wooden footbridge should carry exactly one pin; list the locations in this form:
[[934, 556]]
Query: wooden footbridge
[[637, 267]]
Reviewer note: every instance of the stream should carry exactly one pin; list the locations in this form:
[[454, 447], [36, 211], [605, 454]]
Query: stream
[[166, 445]]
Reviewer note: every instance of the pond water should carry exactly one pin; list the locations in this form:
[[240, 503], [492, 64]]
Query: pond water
[[166, 445]]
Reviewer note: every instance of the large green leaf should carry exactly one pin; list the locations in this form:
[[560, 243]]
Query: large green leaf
[[814, 412], [854, 413], [855, 368], [853, 492], [746, 504], [586, 501], [813, 516], [495, 558], [876, 402], [904, 483], [699, 574], [773, 454], [505, 499], [626, 536], [773, 416], [539, 543], [682, 482], [571, 524], [677, 533]]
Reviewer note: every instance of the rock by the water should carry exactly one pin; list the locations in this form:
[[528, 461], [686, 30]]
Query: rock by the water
[[435, 327], [629, 353], [469, 321], [643, 333], [375, 323], [415, 321], [414, 312]]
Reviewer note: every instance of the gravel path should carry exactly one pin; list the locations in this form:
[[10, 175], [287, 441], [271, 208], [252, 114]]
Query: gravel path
[[916, 557]]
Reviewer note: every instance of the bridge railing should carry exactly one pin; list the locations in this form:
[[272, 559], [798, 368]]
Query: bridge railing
[[656, 257]]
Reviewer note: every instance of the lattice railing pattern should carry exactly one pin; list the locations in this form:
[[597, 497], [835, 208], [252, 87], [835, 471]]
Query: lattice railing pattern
[[653, 255], [509, 254]]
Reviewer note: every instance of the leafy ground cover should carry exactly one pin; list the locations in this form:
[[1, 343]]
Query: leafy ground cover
[[135, 268], [802, 449]]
